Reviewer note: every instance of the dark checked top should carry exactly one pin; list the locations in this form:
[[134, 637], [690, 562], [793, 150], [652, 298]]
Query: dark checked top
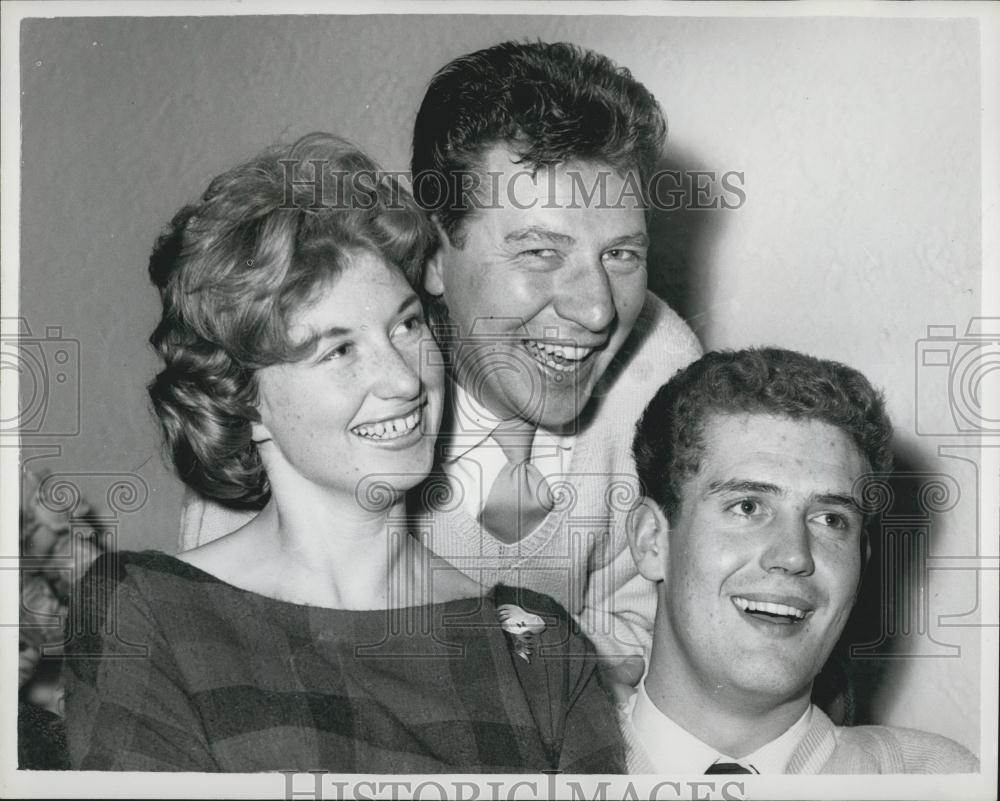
[[170, 668]]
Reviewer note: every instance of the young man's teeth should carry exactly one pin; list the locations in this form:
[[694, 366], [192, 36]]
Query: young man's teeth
[[389, 429], [559, 357], [770, 608]]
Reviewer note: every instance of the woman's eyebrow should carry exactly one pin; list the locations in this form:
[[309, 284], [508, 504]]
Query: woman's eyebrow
[[408, 301]]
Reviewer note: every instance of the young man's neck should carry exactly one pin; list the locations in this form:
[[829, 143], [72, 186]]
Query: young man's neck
[[729, 720]]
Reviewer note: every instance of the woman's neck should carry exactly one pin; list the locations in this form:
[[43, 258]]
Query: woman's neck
[[316, 547]]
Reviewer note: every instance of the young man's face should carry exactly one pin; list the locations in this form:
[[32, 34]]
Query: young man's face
[[761, 566], [545, 287]]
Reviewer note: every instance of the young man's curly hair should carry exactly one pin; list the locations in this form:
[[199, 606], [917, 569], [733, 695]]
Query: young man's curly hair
[[669, 438]]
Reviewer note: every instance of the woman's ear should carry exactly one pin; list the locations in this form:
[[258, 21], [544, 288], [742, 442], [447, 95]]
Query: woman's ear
[[259, 433], [647, 530]]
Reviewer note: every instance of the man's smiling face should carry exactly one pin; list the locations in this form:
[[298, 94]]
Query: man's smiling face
[[761, 565], [545, 287]]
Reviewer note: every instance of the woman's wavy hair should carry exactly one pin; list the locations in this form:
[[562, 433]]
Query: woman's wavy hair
[[232, 268]]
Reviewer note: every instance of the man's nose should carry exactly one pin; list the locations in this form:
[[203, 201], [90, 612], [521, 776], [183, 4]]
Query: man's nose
[[586, 297], [789, 549]]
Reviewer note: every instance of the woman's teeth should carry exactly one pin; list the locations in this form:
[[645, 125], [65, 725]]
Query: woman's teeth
[[389, 429], [563, 358]]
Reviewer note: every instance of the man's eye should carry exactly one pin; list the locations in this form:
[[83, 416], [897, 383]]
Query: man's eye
[[745, 507], [624, 256], [833, 520], [541, 253]]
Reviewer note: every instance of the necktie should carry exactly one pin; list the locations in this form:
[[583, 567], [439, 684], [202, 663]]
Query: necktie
[[520, 497], [727, 767]]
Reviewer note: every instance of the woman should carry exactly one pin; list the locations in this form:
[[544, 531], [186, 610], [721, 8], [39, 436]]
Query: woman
[[300, 379]]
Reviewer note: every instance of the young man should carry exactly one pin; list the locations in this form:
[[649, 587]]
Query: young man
[[753, 463], [533, 160]]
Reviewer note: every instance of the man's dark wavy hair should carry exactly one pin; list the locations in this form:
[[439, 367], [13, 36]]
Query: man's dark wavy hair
[[550, 102], [234, 267], [669, 438]]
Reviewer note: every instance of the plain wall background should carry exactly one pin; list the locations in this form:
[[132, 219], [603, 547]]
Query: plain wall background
[[858, 138]]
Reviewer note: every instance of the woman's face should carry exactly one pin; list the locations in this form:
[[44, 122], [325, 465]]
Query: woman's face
[[366, 402]]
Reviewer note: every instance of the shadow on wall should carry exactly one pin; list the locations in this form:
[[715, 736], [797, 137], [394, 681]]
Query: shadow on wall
[[690, 204], [890, 624]]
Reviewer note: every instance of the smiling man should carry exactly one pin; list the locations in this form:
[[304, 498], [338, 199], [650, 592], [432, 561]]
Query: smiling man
[[753, 463], [533, 159]]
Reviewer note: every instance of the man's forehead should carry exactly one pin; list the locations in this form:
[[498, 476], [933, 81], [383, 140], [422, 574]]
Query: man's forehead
[[779, 449]]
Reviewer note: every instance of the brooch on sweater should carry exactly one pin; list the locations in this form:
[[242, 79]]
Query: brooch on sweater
[[522, 627]]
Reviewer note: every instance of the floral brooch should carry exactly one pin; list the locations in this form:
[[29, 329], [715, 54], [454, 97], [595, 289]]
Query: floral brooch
[[522, 627]]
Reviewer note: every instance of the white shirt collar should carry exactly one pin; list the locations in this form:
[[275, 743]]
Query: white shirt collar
[[673, 749], [473, 423]]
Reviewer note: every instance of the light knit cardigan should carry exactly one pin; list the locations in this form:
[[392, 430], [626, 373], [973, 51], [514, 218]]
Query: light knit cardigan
[[831, 749], [579, 554]]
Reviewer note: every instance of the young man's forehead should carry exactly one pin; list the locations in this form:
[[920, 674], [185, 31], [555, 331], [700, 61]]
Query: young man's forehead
[[759, 447]]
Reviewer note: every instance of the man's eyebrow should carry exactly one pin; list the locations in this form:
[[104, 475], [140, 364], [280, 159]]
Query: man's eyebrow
[[639, 239], [838, 499], [743, 485], [537, 232]]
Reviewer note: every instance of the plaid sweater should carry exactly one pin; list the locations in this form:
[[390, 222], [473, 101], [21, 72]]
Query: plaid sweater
[[171, 668], [579, 554]]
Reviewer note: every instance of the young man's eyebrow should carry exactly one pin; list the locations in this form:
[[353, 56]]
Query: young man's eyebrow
[[743, 485], [839, 499], [537, 232]]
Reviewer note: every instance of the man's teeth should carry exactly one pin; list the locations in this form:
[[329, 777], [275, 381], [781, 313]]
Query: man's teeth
[[771, 609], [558, 357], [389, 429]]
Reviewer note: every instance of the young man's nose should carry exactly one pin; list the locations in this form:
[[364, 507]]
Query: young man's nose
[[789, 549], [586, 297]]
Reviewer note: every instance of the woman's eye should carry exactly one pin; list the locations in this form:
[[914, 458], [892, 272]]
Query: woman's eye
[[338, 352], [414, 322]]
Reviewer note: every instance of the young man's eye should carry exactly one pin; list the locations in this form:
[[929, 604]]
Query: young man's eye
[[745, 507], [833, 520]]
